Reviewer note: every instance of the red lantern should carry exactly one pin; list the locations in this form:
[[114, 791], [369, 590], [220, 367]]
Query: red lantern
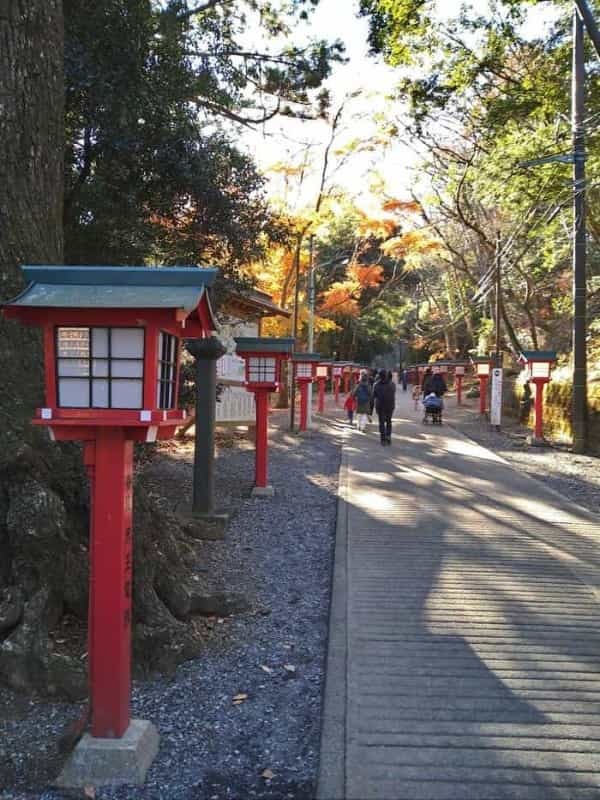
[[305, 365], [263, 358], [539, 366], [483, 367], [111, 352], [322, 373]]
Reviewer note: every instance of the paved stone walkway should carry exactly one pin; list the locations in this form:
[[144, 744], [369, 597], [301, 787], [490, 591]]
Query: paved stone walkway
[[464, 655]]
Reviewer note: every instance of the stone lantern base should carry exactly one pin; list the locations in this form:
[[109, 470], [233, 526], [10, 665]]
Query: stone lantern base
[[102, 762]]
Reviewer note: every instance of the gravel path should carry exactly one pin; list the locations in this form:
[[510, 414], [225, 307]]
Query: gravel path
[[278, 552], [576, 477]]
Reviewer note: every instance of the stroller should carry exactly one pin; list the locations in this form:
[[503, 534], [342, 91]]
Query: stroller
[[433, 406]]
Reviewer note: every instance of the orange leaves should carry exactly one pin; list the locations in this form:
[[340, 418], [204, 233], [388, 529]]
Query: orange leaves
[[413, 242], [339, 300], [366, 276], [407, 206]]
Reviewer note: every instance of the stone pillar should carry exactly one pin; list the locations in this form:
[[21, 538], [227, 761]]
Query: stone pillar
[[205, 353]]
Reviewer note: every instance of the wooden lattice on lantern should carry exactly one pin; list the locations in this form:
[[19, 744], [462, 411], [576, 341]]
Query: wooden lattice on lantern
[[263, 358], [538, 363], [305, 365], [112, 341]]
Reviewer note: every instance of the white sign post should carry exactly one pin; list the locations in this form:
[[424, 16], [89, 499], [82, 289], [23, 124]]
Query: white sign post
[[496, 397]]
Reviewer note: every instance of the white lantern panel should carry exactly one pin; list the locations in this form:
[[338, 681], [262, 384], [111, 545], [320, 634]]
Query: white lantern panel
[[337, 371], [100, 367], [100, 393], [304, 370], [73, 342], [540, 369], [322, 372], [262, 369], [483, 369], [459, 370], [73, 367], [127, 368], [127, 343], [126, 394], [74, 392], [100, 342]]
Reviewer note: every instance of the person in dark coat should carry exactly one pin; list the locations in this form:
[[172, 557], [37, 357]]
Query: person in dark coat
[[438, 384], [384, 392], [426, 382]]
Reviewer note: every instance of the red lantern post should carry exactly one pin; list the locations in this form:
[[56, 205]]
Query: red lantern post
[[347, 372], [337, 377], [539, 365], [483, 366], [263, 358], [459, 373], [322, 376], [305, 365], [111, 351]]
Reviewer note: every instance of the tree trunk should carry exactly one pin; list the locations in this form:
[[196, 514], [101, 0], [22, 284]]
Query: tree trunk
[[31, 195], [43, 492]]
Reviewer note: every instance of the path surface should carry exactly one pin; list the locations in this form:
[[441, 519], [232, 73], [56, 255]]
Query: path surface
[[464, 657]]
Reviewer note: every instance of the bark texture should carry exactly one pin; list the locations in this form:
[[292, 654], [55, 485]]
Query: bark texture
[[44, 508]]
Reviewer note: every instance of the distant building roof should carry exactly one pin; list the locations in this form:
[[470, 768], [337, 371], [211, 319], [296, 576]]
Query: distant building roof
[[254, 303]]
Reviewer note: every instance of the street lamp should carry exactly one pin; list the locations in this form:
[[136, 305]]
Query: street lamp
[[263, 358], [539, 364]]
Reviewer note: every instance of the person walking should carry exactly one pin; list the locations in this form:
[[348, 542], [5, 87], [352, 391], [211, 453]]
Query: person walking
[[350, 406], [426, 382], [362, 394], [385, 402], [404, 380], [438, 384]]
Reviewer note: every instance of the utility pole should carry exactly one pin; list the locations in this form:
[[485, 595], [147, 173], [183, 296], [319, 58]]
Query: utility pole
[[498, 353], [311, 315], [579, 243], [589, 22]]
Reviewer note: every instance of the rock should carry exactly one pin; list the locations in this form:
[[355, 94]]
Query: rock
[[36, 523], [218, 604], [24, 655], [11, 609]]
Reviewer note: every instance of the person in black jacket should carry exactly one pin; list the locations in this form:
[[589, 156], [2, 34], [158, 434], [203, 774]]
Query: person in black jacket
[[384, 393], [438, 384]]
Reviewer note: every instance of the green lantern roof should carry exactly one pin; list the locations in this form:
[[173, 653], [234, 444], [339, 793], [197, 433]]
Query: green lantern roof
[[114, 287], [263, 344], [306, 357], [538, 355]]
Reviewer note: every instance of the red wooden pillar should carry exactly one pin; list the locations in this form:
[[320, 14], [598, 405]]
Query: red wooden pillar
[[109, 647], [321, 406], [303, 404], [261, 471], [346, 382], [483, 383], [459, 379], [539, 408], [336, 390]]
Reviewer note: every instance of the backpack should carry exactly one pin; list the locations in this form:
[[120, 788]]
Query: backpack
[[363, 394]]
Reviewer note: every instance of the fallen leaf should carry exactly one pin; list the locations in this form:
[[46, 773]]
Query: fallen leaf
[[267, 774], [266, 669], [239, 698], [289, 668], [89, 791]]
